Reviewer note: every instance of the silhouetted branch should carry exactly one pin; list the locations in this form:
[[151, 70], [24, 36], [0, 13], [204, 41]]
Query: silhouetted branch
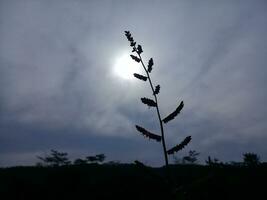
[[135, 58], [157, 88], [148, 134], [149, 102], [139, 49], [139, 76], [180, 146], [150, 64], [154, 102], [174, 114]]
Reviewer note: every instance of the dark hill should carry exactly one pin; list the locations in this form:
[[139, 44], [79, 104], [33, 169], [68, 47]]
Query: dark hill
[[131, 182]]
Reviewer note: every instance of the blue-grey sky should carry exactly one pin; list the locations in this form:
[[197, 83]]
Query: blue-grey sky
[[58, 89]]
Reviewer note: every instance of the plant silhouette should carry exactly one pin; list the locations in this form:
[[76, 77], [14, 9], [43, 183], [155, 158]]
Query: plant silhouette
[[55, 159], [191, 158], [138, 50], [213, 161], [97, 158], [251, 159]]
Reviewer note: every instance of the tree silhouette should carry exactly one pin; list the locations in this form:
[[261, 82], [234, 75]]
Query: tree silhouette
[[97, 158], [191, 158], [55, 159], [251, 159], [138, 50], [80, 161], [213, 161]]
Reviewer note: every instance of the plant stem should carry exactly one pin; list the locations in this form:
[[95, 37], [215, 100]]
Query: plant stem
[[158, 113]]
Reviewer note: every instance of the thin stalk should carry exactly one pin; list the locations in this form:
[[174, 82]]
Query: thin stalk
[[158, 113]]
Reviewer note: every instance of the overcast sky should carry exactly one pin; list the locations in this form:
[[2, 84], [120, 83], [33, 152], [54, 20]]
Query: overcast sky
[[58, 89]]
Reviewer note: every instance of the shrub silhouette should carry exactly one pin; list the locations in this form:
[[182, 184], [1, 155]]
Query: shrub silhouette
[[80, 161], [251, 159], [191, 158], [138, 50], [213, 162], [55, 159], [97, 158]]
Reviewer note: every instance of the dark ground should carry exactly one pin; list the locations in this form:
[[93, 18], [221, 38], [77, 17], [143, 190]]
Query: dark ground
[[125, 181]]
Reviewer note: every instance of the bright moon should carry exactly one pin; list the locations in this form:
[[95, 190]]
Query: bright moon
[[125, 67]]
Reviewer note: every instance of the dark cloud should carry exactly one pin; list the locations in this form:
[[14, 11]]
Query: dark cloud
[[57, 89]]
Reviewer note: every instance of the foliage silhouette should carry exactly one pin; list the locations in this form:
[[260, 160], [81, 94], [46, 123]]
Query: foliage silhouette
[[191, 158], [128, 181], [55, 159], [113, 163], [96, 159], [174, 114], [141, 77], [251, 159], [154, 102], [148, 134], [80, 161], [179, 146], [212, 162], [99, 158]]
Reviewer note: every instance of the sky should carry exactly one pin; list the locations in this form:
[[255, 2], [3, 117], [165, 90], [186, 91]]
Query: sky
[[58, 89]]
